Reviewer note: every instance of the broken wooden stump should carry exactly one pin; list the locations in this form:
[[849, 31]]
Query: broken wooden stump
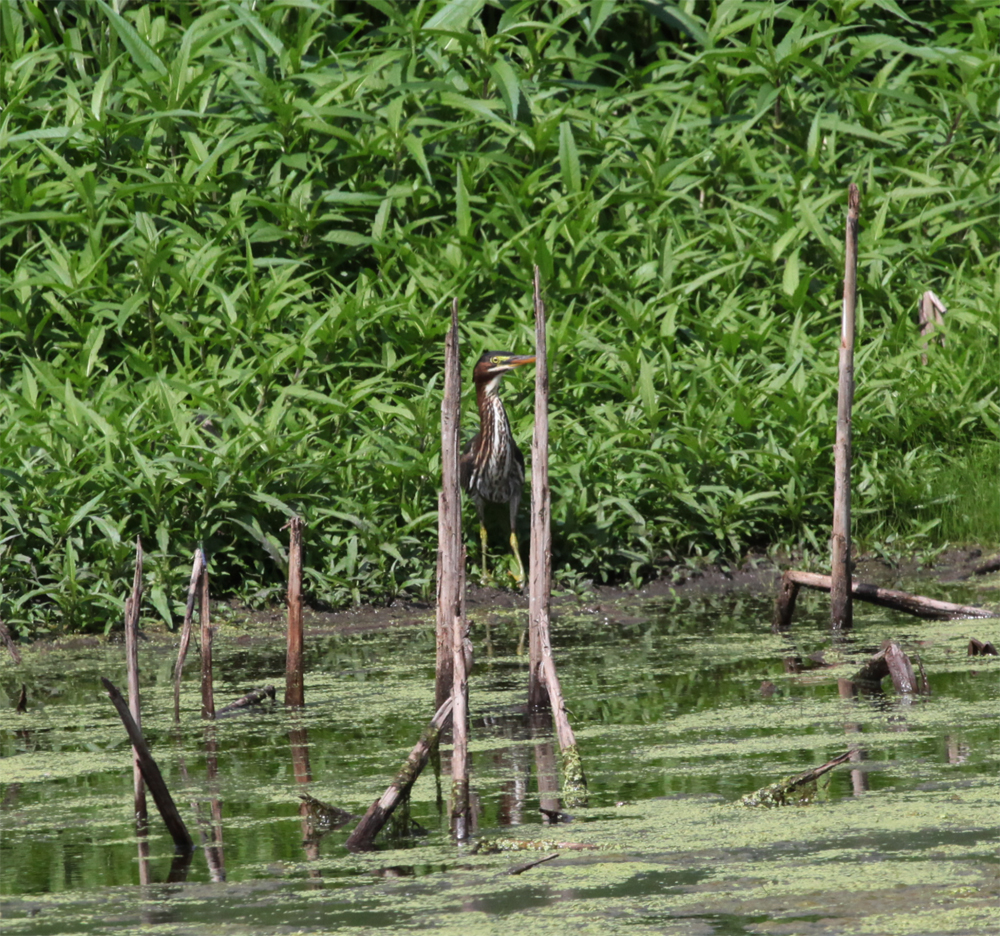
[[790, 790], [976, 648], [251, 698], [379, 812], [151, 772], [917, 605], [890, 661], [22, 699]]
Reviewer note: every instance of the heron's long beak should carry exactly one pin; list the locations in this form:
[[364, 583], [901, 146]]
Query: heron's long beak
[[516, 360]]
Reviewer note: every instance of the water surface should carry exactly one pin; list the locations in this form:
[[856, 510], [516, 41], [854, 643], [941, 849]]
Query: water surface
[[680, 706]]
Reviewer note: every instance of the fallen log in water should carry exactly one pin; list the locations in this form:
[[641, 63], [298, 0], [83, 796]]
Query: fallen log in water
[[781, 793], [379, 812], [917, 605], [150, 772], [251, 698]]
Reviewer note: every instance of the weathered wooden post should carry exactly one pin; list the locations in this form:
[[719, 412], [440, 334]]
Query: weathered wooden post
[[207, 692], [841, 610], [294, 681], [540, 568], [132, 669], [449, 516]]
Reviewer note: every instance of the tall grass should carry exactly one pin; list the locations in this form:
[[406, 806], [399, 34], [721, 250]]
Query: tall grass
[[231, 232]]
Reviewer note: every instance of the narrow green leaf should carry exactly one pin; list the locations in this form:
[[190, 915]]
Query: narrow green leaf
[[569, 158], [140, 50], [463, 215]]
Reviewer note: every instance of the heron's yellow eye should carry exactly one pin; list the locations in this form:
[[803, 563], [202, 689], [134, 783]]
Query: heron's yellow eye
[[495, 360]]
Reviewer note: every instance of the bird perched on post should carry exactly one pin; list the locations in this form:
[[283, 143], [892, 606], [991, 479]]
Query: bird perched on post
[[491, 467]]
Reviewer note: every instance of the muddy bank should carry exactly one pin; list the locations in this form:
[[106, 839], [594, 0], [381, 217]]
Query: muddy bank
[[756, 576]]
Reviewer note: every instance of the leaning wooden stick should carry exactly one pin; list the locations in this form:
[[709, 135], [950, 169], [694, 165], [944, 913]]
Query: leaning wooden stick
[[196, 567], [841, 611], [460, 720], [150, 772], [449, 515], [380, 811], [132, 606], [294, 678], [917, 605]]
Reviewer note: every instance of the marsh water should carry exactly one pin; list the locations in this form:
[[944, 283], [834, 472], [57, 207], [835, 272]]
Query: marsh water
[[680, 704]]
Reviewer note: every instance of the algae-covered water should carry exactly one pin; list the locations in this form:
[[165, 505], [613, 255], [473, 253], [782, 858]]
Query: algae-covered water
[[680, 706]]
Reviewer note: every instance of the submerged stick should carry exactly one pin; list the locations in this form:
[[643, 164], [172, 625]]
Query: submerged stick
[[527, 866], [251, 698], [380, 811], [196, 568], [841, 611], [776, 794], [150, 772], [294, 680], [207, 692], [132, 605], [917, 605], [449, 587]]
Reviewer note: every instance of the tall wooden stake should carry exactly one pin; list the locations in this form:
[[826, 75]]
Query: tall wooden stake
[[132, 606], [449, 589], [841, 610], [543, 682], [132, 669], [207, 692], [294, 681], [540, 568]]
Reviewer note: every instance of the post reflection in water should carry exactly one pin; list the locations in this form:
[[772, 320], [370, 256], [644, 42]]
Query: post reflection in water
[[298, 738]]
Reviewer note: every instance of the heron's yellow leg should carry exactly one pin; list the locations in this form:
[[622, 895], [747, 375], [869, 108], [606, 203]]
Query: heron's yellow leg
[[484, 577], [519, 578]]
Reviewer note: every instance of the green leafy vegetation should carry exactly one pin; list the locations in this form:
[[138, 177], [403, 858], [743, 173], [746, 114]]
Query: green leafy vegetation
[[231, 234]]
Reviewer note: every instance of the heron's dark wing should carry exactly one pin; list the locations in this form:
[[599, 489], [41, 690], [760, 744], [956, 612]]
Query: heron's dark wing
[[465, 463]]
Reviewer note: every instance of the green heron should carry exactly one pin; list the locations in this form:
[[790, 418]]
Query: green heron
[[491, 467]]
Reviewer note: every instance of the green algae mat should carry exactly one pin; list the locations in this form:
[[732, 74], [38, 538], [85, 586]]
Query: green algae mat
[[681, 706]]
